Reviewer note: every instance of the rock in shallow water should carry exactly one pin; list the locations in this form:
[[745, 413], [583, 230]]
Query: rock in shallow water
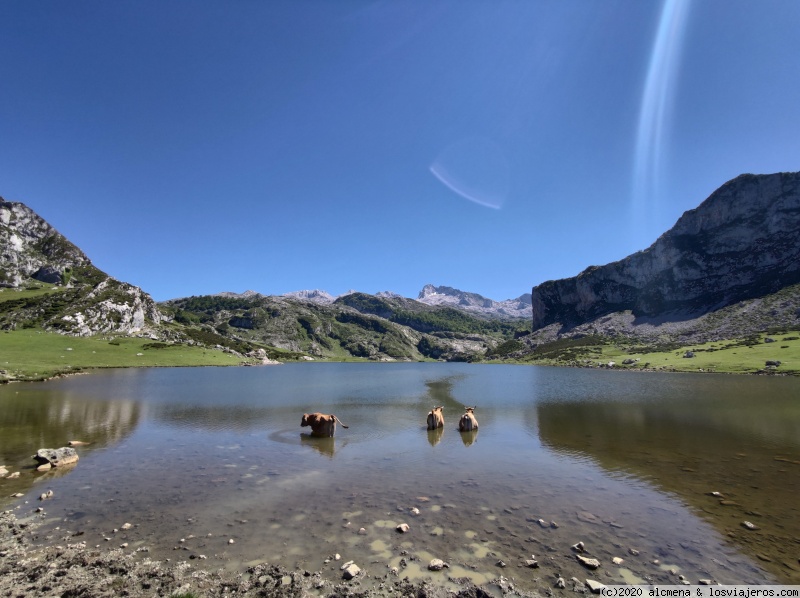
[[57, 457]]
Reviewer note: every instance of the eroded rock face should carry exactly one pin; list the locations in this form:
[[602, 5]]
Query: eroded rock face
[[742, 242]]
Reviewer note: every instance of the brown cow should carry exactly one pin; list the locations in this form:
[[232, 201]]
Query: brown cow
[[322, 426], [435, 418], [467, 423]]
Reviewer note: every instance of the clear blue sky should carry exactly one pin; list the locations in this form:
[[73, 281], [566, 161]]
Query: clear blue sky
[[193, 147]]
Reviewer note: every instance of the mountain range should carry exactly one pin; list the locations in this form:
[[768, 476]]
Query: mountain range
[[429, 295], [729, 267]]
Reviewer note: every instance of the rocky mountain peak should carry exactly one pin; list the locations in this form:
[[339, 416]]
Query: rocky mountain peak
[[316, 296], [444, 295]]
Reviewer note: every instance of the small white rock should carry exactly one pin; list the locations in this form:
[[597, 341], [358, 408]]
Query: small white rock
[[436, 565]]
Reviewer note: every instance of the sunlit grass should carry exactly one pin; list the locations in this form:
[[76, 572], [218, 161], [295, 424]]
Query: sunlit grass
[[7, 294], [33, 354], [729, 356]]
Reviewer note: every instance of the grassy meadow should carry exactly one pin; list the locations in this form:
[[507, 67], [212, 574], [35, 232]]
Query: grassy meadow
[[735, 356], [33, 354]]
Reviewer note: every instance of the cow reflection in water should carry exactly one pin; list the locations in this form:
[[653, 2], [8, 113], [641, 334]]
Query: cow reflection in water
[[469, 437], [434, 436], [324, 446]]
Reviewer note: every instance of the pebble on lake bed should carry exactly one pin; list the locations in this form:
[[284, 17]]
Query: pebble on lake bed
[[437, 565], [403, 528], [587, 562], [750, 526]]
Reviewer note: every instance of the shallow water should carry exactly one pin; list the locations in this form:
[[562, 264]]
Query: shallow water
[[194, 458]]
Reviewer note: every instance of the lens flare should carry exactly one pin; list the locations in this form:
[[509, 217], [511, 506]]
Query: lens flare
[[476, 169], [656, 106]]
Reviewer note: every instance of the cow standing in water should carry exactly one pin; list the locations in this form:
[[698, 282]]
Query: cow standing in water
[[322, 425], [435, 418], [468, 422]]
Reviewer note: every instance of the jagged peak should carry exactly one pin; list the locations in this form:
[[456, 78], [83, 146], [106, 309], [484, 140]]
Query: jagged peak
[[315, 295]]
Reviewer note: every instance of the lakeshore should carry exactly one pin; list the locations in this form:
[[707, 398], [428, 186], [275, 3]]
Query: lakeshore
[[72, 568]]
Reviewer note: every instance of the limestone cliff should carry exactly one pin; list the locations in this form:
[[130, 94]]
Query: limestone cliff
[[741, 243]]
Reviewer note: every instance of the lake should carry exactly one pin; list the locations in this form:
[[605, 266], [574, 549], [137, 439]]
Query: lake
[[195, 458]]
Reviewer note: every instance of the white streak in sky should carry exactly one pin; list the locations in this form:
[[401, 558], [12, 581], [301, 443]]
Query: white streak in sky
[[656, 104], [476, 169]]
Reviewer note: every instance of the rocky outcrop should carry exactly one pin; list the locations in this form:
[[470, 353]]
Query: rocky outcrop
[[83, 300], [741, 243], [111, 307], [32, 249]]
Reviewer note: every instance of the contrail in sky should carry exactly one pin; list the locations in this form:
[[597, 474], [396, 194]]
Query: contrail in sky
[[656, 104]]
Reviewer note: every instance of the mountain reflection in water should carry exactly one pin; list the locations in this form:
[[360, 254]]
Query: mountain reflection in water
[[745, 447]]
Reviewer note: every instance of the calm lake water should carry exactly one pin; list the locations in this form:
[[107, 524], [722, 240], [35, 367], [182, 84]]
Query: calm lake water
[[194, 458]]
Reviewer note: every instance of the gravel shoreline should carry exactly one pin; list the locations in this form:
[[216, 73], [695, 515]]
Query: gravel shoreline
[[73, 569]]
